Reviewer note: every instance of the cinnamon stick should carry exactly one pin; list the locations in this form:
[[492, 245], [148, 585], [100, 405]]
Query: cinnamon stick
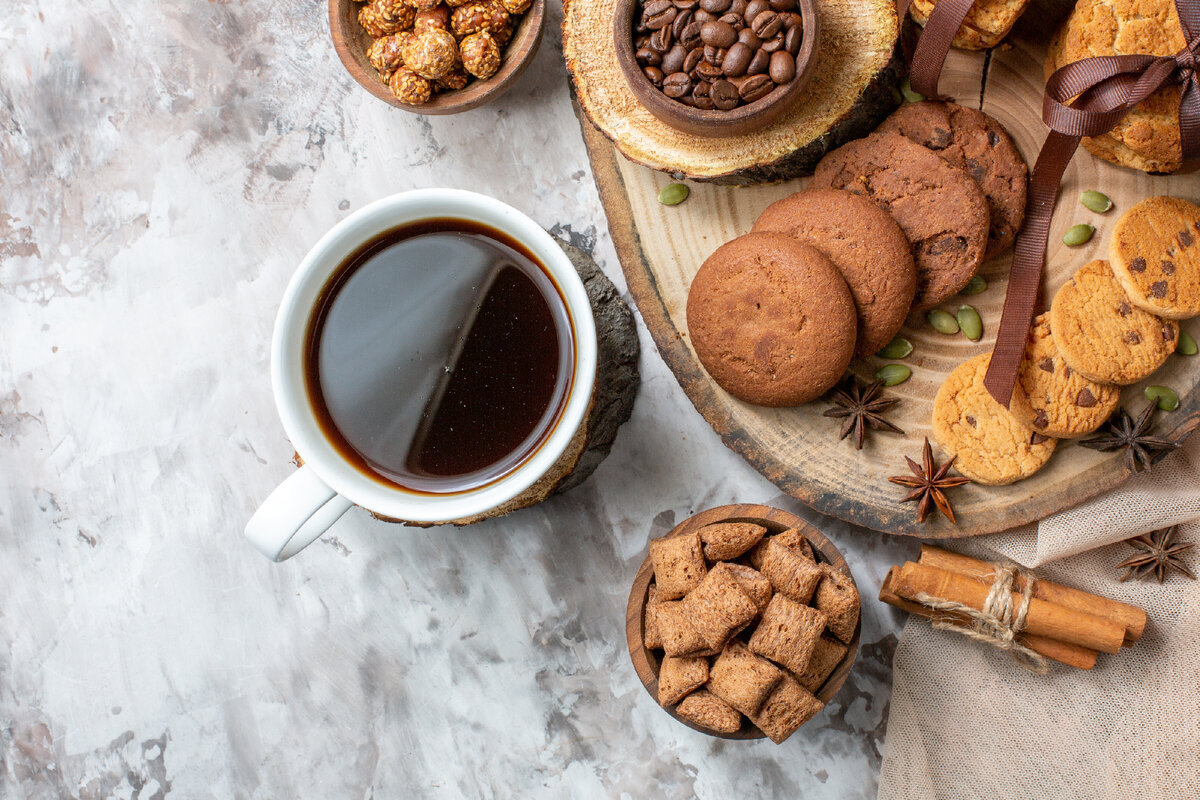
[[1044, 619], [1131, 618], [1069, 654]]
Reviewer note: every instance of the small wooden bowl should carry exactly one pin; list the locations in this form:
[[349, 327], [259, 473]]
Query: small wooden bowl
[[646, 663], [713, 123], [351, 43]]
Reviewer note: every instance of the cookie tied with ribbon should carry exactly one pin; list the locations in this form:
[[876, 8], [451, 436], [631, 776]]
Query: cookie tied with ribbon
[[1085, 98]]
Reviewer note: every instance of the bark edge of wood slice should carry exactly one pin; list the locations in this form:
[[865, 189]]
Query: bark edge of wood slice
[[853, 86], [775, 520]]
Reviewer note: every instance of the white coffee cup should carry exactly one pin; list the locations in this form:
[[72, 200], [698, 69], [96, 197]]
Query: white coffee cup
[[308, 502]]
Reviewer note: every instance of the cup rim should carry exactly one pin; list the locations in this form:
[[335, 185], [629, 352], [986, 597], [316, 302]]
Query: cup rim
[[288, 345]]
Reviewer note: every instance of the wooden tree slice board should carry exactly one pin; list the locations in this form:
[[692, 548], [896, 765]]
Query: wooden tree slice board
[[661, 248]]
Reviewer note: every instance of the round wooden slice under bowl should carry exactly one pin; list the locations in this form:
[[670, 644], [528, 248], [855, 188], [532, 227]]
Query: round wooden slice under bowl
[[646, 663], [735, 122], [351, 43]]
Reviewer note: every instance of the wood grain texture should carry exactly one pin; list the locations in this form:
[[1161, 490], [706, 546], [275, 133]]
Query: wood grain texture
[[351, 43], [852, 87], [646, 663], [660, 249], [734, 122]]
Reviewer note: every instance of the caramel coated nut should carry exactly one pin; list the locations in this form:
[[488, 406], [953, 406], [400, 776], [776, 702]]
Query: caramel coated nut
[[375, 25], [386, 53], [476, 17], [393, 10], [480, 54], [457, 79], [516, 6], [438, 17], [431, 53], [410, 88]]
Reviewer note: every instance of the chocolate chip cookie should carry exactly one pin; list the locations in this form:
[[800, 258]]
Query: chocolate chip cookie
[[1102, 335], [865, 244], [1155, 254], [771, 319], [992, 445], [1053, 398], [940, 208], [972, 141]]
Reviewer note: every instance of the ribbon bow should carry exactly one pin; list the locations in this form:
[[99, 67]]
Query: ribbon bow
[[1105, 88]]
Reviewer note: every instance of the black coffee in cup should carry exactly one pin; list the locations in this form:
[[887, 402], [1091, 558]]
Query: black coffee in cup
[[439, 356]]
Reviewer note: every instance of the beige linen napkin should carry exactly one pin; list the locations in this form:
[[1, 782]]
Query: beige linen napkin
[[968, 723]]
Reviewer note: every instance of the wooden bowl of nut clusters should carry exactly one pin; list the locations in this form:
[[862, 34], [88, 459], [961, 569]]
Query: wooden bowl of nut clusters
[[433, 57]]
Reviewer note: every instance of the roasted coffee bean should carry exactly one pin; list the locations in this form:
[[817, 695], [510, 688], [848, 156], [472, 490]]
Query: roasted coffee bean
[[717, 7], [682, 20], [672, 60], [748, 37], [783, 66], [718, 34], [685, 5], [661, 40], [687, 100], [724, 95], [701, 89], [783, 5], [658, 13], [756, 87], [754, 8], [676, 85], [737, 59], [774, 44], [654, 75], [694, 57], [791, 19], [703, 103], [734, 21], [703, 16], [714, 55], [648, 57], [708, 71], [738, 7], [640, 42], [690, 38], [760, 63], [767, 24], [640, 27], [793, 39]]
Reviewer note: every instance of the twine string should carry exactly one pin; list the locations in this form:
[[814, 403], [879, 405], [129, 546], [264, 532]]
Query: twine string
[[998, 623]]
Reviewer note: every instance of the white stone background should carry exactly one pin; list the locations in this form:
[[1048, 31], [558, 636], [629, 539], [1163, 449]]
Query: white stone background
[[164, 165]]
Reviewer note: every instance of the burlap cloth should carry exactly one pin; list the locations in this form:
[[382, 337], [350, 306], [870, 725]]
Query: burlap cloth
[[968, 723]]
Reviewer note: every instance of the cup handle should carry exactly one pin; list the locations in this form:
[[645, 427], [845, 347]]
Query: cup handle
[[294, 515]]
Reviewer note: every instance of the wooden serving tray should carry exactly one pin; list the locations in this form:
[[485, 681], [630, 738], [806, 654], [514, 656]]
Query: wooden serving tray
[[661, 248]]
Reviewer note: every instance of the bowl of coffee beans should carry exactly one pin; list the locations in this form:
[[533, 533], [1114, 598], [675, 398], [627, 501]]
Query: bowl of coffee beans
[[716, 67]]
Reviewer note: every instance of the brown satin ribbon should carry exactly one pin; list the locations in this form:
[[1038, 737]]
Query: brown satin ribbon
[[925, 62], [1105, 89]]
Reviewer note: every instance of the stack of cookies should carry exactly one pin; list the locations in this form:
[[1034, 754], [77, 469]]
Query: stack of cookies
[[1112, 324], [749, 626], [897, 222]]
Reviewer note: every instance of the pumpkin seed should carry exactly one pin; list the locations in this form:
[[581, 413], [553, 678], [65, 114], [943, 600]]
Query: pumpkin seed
[[1165, 397], [1187, 345], [1078, 234], [942, 322], [896, 348], [1095, 201], [970, 323], [673, 194], [892, 374], [976, 285], [909, 94]]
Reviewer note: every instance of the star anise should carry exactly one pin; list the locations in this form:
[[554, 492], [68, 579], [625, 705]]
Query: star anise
[[1157, 554], [928, 483], [862, 407], [1122, 432]]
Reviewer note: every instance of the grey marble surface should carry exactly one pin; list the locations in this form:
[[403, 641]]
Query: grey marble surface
[[164, 164]]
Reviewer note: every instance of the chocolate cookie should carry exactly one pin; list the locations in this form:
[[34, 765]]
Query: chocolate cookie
[[1155, 254], [1102, 335], [1053, 398], [771, 319], [973, 141], [993, 446], [865, 244], [940, 208]]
